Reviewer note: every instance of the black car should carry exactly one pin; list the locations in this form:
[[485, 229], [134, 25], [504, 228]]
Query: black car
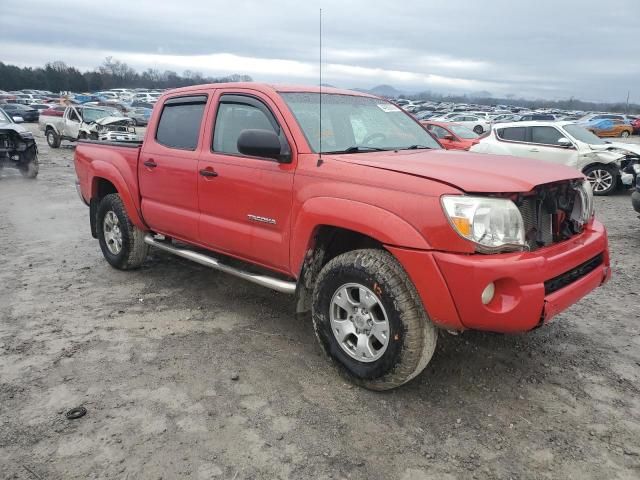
[[635, 196], [27, 113]]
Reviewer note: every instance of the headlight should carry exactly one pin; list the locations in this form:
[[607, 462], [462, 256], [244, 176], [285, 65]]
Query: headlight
[[26, 135], [586, 194], [493, 224]]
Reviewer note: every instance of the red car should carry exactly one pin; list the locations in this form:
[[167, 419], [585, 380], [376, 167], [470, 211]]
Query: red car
[[378, 233], [635, 123], [452, 136]]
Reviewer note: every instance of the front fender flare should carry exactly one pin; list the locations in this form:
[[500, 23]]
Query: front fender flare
[[375, 222]]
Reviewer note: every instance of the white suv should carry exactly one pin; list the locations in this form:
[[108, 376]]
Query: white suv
[[566, 143]]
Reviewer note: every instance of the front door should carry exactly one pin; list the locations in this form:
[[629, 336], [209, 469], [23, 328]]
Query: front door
[[71, 126], [168, 168], [245, 201]]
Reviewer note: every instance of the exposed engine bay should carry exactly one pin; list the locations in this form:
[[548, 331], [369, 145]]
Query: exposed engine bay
[[18, 149], [110, 129], [554, 212]]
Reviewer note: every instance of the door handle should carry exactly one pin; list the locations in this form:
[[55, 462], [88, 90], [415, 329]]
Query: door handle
[[150, 163], [208, 173]]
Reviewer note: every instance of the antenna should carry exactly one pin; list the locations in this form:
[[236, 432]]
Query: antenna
[[320, 88]]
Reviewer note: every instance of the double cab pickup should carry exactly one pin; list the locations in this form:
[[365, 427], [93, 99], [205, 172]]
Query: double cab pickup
[[346, 202]]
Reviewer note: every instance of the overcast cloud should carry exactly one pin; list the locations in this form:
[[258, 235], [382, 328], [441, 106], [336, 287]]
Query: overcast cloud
[[552, 49]]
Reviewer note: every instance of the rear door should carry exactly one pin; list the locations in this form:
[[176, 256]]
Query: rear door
[[168, 167], [245, 201]]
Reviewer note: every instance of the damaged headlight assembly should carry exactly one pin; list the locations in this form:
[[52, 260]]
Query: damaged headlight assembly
[[494, 225]]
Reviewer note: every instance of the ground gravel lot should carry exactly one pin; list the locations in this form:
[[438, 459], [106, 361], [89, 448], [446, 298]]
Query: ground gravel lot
[[153, 354]]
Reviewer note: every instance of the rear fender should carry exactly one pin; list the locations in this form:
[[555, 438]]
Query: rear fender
[[375, 222], [106, 171]]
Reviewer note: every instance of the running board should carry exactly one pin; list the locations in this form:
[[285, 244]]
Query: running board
[[263, 280]]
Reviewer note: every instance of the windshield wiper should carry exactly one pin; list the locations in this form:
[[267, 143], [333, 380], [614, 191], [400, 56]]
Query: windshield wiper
[[359, 149], [416, 147]]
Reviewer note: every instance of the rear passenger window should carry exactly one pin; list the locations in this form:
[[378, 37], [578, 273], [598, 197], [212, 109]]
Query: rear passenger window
[[513, 134], [545, 135], [179, 125]]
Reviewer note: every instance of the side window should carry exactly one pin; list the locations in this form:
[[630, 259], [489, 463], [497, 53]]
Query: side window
[[439, 132], [513, 134], [179, 125], [73, 117], [545, 135], [233, 117]]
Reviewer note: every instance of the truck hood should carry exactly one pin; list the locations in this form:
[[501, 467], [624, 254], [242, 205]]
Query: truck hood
[[12, 126], [470, 172]]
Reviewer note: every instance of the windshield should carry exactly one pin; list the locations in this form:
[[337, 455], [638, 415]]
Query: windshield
[[583, 135], [4, 118], [93, 114], [463, 132], [355, 123]]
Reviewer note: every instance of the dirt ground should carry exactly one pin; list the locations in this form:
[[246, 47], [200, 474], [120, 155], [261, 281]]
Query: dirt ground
[[153, 354]]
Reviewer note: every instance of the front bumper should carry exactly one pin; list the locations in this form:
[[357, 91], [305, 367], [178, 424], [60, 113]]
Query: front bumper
[[451, 293]]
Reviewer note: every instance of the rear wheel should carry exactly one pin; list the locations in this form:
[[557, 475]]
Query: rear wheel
[[602, 179], [624, 134], [370, 321], [53, 139], [478, 129], [121, 242]]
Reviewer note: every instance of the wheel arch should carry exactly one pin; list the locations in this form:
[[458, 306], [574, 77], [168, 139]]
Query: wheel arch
[[328, 227], [105, 180]]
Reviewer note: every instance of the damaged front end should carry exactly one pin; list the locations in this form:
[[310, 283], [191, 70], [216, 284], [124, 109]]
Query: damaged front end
[[112, 129], [628, 157], [18, 149], [555, 212]]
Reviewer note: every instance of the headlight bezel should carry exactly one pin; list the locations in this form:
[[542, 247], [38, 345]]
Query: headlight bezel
[[464, 222]]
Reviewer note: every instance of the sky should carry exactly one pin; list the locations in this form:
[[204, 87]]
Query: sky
[[552, 49]]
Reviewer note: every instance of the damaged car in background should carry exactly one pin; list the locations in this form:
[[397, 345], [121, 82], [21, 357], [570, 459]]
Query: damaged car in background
[[87, 123], [17, 147], [607, 165]]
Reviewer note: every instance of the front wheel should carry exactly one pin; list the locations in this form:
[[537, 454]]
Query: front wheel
[[370, 321], [121, 242], [478, 129], [602, 179], [624, 134]]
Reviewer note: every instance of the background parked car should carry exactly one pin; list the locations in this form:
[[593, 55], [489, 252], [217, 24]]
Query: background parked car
[[560, 142], [140, 116], [452, 136], [610, 128], [472, 122], [537, 117], [27, 113]]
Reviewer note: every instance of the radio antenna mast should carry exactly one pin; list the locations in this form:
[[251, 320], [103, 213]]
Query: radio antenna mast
[[320, 88]]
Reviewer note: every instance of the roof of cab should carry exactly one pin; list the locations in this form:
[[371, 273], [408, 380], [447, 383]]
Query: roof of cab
[[266, 88]]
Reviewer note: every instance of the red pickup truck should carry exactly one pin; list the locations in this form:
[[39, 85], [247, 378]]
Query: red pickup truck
[[378, 232]]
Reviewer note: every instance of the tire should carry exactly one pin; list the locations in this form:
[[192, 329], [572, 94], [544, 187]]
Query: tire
[[478, 129], [135, 122], [53, 139], [410, 335], [624, 134], [132, 250], [30, 169], [603, 179]]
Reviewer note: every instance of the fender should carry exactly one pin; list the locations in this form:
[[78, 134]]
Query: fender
[[101, 169], [376, 222]]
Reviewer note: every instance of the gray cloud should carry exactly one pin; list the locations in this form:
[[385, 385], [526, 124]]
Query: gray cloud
[[541, 48]]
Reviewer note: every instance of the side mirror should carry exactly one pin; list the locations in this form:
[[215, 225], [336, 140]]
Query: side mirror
[[565, 142], [448, 137], [262, 143], [18, 119]]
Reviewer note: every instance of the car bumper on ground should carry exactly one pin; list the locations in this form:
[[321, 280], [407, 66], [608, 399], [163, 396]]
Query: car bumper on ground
[[530, 287]]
